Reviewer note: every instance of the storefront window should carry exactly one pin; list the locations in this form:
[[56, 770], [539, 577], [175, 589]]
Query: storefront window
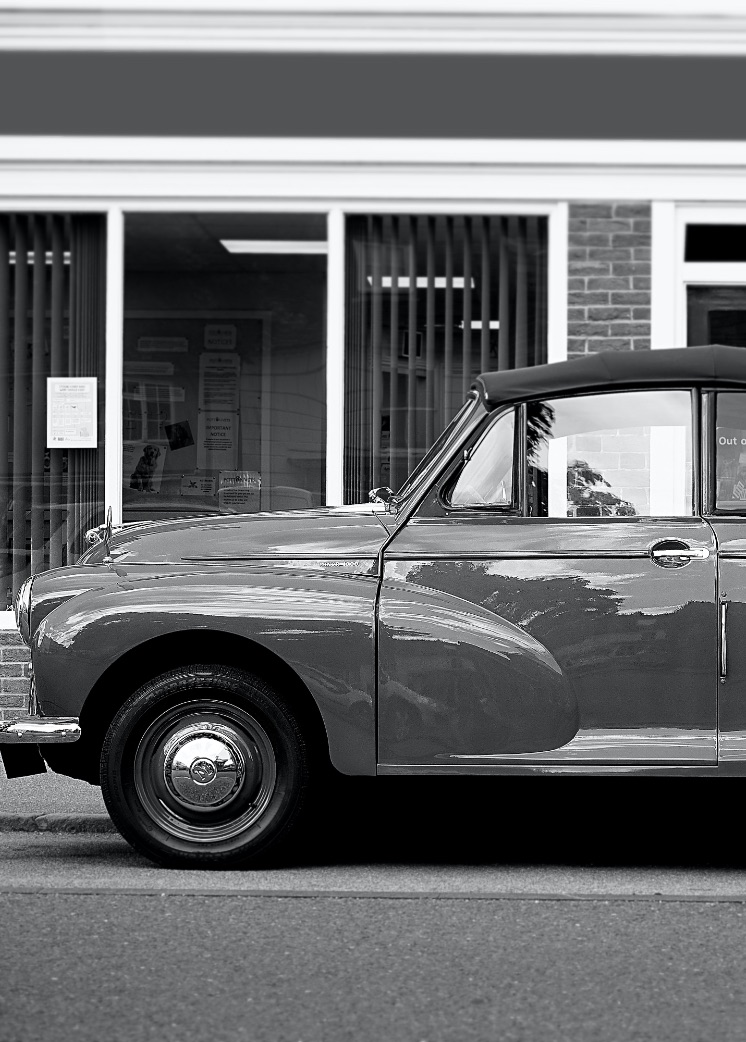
[[224, 372], [432, 301], [716, 314], [52, 320]]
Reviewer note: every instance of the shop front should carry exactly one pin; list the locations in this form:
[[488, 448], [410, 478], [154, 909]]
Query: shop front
[[180, 362], [252, 259]]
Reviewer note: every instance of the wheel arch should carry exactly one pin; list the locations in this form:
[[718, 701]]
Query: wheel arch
[[137, 666]]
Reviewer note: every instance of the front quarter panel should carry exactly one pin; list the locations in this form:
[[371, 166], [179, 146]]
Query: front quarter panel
[[319, 624]]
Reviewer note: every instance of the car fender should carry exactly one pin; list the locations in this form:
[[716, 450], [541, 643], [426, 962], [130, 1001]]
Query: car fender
[[320, 625]]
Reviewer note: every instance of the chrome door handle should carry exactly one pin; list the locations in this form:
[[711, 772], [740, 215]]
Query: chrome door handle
[[723, 641], [699, 553]]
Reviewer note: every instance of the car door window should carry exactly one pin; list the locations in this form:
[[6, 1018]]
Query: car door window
[[486, 478], [730, 453], [611, 455]]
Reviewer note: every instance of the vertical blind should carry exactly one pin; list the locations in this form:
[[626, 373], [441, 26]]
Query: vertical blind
[[52, 300], [432, 301]]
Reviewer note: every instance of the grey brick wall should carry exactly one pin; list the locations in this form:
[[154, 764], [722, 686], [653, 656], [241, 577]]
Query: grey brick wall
[[609, 277], [14, 674]]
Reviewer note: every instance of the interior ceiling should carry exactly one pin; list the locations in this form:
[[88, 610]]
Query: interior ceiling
[[191, 242]]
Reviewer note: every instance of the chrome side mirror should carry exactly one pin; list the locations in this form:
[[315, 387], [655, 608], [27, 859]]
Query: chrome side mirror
[[384, 495]]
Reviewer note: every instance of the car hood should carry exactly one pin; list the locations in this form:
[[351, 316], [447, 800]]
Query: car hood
[[295, 534]]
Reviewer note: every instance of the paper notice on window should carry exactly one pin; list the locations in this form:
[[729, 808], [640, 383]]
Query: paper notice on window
[[219, 378], [731, 466], [239, 491], [196, 485], [220, 338], [164, 344], [217, 441], [71, 412], [142, 465]]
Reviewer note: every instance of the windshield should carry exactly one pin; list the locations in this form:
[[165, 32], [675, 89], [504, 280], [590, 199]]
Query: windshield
[[458, 425]]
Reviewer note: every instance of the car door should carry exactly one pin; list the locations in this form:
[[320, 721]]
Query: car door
[[725, 506], [556, 602]]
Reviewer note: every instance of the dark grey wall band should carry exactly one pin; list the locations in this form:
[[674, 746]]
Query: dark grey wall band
[[373, 95]]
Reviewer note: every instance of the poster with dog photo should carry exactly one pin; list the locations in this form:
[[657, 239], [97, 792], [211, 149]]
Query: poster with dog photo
[[142, 467]]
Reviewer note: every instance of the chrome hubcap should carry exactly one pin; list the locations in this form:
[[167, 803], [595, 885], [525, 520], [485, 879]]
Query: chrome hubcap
[[204, 765], [205, 771]]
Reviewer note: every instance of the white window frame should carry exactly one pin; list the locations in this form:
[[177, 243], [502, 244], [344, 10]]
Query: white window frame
[[672, 274], [117, 177]]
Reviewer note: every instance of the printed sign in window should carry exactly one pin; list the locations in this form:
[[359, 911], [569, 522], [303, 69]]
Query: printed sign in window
[[731, 466], [239, 490], [220, 338], [217, 440], [71, 412]]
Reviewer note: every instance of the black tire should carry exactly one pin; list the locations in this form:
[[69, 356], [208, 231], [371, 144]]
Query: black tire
[[204, 767]]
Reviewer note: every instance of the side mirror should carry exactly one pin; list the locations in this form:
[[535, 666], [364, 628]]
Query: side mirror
[[384, 495]]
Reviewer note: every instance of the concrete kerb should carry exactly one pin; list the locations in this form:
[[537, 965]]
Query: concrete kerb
[[70, 823]]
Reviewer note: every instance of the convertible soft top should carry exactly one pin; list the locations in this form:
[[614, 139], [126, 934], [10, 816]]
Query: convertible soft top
[[698, 366]]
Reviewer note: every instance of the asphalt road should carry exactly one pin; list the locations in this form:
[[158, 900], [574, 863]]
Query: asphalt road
[[331, 968], [574, 911]]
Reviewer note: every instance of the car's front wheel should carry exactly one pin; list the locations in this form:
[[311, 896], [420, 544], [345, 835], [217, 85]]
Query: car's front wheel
[[204, 766]]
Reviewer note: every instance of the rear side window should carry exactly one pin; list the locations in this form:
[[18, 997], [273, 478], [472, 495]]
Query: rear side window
[[730, 453], [611, 455]]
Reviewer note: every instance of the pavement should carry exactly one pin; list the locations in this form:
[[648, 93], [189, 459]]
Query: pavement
[[51, 803]]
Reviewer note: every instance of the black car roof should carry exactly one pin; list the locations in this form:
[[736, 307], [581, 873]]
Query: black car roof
[[696, 366]]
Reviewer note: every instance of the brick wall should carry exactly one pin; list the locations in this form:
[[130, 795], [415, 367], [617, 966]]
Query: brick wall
[[14, 674], [609, 277]]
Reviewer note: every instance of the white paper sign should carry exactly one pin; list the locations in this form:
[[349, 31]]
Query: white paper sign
[[168, 344], [195, 485], [239, 490], [220, 338], [217, 440], [71, 412], [142, 465], [219, 382]]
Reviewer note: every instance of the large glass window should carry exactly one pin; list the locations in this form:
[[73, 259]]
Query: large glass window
[[52, 300], [432, 301], [224, 363], [716, 314], [611, 455]]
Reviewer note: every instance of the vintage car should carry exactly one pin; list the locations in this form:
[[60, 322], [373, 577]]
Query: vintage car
[[559, 587]]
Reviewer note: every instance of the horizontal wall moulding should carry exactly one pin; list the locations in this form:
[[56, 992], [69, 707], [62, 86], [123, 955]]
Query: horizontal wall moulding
[[490, 26], [357, 153]]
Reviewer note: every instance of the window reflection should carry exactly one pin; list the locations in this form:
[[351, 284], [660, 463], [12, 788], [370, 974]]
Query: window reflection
[[224, 372], [611, 455], [431, 302]]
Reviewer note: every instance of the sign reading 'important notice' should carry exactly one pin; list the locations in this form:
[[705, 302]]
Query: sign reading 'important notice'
[[71, 412]]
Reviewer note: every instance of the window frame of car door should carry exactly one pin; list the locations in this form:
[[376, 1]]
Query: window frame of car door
[[709, 454], [436, 494], [696, 447]]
